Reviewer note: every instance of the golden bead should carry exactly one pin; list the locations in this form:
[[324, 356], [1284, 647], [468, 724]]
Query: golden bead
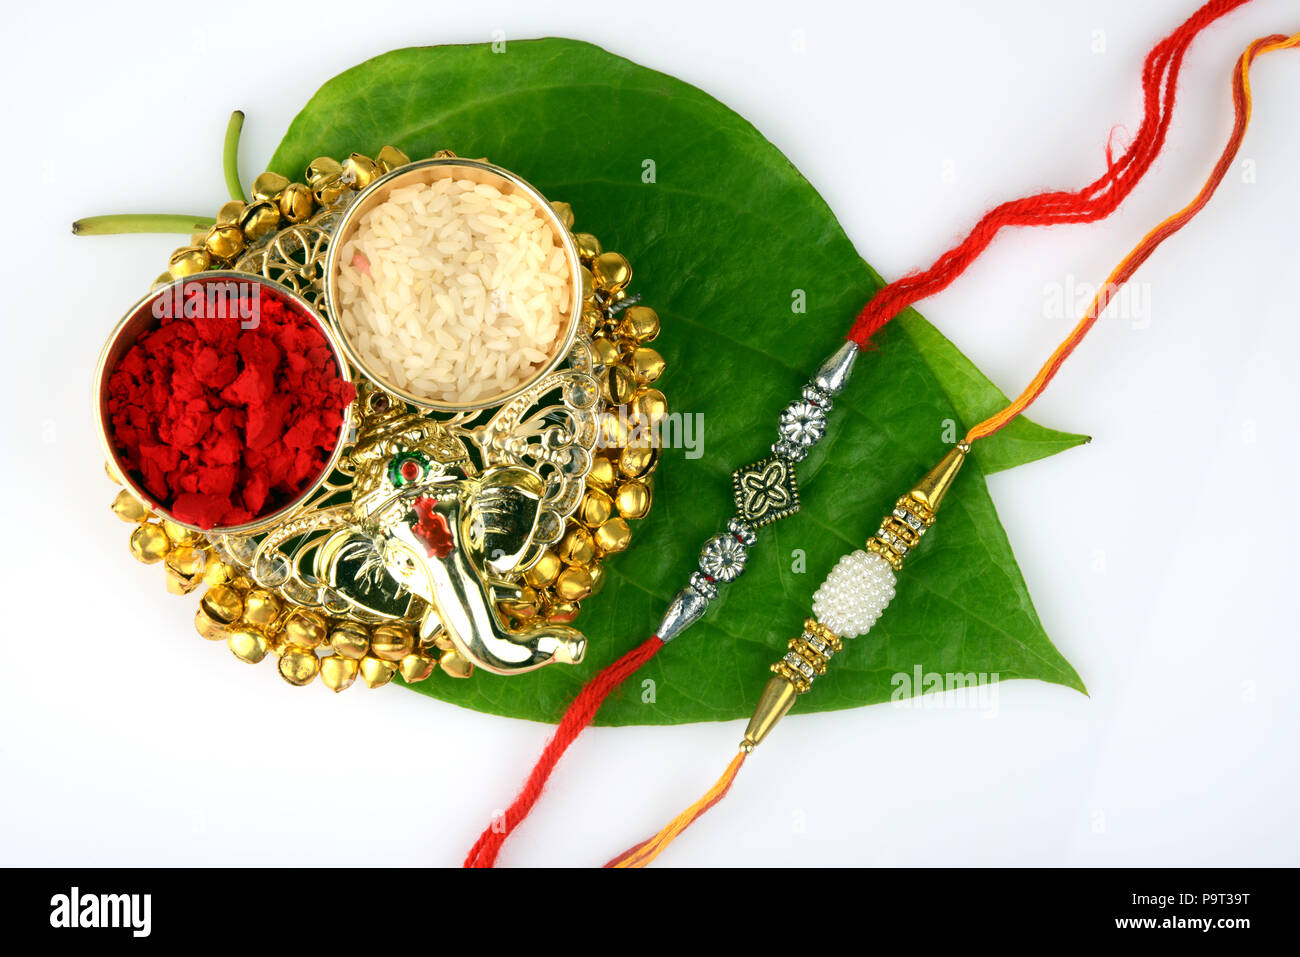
[[337, 673], [269, 185], [350, 639], [304, 628], [611, 271], [416, 667], [259, 219], [129, 508], [207, 628], [633, 499], [597, 572], [224, 241], [186, 261], [248, 645], [187, 561], [588, 246], [613, 536], [596, 508], [647, 365], [637, 460], [296, 202], [573, 584], [563, 612], [360, 171], [261, 608], [602, 474], [565, 212], [577, 548], [149, 544], [230, 212], [217, 572], [299, 666], [390, 158], [392, 642], [454, 664], [650, 406], [222, 604], [377, 671], [322, 170], [604, 352], [617, 385], [543, 571], [640, 323]]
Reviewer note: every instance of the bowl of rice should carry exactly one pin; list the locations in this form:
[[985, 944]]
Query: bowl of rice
[[453, 284]]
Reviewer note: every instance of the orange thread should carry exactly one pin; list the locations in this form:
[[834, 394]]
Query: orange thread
[[1241, 97]]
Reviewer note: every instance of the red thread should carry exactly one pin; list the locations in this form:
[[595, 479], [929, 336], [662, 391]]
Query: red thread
[[579, 714], [1095, 201]]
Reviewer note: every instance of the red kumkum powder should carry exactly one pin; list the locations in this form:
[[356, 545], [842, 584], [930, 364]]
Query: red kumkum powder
[[222, 424]]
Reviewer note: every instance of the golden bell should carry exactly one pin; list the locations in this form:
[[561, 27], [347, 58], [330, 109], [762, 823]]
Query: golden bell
[[178, 584], [329, 192], [392, 642], [305, 629], [179, 534], [416, 667], [647, 365], [611, 271], [217, 572], [269, 185], [597, 572], [603, 473], [633, 499], [350, 639], [390, 158], [337, 673], [187, 561], [259, 219], [376, 671], [323, 169], [129, 508], [588, 284], [248, 645], [525, 606], [207, 628], [640, 323], [223, 604], [565, 212], [613, 536], [224, 241], [573, 584], [637, 460], [230, 212], [595, 508], [149, 544], [650, 405], [592, 319], [296, 203], [577, 548], [604, 352], [588, 247], [543, 571], [563, 612], [298, 666], [439, 639], [618, 384], [360, 171], [453, 664], [187, 261], [261, 608]]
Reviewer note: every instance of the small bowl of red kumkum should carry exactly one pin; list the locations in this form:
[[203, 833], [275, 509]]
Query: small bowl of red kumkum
[[224, 401]]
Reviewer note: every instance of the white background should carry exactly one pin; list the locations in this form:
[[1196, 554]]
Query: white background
[[1161, 556]]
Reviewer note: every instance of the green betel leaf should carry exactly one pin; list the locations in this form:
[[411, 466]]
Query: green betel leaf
[[725, 239]]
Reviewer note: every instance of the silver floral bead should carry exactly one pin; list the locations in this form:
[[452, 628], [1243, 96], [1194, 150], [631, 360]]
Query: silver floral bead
[[802, 423], [723, 558]]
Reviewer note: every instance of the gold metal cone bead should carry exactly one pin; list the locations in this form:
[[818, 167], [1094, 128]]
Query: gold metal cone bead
[[775, 702], [298, 666], [338, 673]]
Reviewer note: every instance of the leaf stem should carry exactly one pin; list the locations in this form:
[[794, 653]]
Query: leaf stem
[[230, 156], [140, 223]]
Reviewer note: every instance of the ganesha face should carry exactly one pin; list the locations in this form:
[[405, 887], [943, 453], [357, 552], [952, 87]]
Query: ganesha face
[[452, 537]]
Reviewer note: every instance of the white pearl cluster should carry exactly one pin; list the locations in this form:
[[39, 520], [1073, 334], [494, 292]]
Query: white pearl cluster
[[854, 594]]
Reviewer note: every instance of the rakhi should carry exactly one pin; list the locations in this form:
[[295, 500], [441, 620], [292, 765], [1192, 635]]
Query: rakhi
[[862, 583]]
